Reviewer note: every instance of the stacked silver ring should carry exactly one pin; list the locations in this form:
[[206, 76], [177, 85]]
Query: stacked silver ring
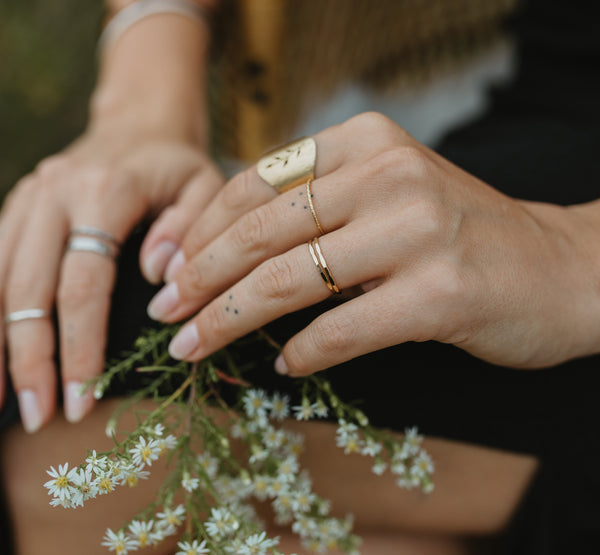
[[92, 239]]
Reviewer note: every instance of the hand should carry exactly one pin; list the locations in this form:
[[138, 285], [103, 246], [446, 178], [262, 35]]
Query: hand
[[118, 172], [439, 254]]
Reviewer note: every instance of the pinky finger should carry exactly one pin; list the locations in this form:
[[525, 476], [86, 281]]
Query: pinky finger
[[362, 325]]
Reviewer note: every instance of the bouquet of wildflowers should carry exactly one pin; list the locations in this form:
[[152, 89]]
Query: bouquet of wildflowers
[[227, 450]]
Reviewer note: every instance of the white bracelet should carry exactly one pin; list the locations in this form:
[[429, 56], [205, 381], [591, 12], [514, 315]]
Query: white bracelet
[[140, 9]]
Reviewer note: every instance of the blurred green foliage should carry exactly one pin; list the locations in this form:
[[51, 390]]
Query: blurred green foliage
[[47, 71]]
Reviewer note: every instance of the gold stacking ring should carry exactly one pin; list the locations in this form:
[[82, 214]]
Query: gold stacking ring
[[290, 165], [311, 205], [319, 260]]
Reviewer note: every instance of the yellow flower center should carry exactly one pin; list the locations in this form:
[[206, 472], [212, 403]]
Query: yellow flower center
[[62, 482]]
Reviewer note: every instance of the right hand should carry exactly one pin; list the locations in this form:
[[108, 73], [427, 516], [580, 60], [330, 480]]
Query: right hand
[[118, 172]]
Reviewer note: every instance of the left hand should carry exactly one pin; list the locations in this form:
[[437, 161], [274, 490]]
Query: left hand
[[439, 254]]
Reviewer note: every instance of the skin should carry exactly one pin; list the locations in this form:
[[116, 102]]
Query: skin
[[477, 490], [440, 255], [138, 153]]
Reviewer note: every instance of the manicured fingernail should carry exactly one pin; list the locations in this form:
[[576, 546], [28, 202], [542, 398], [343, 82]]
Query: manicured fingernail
[[164, 302], [29, 407], [155, 263], [175, 264], [76, 404], [280, 365], [185, 342]]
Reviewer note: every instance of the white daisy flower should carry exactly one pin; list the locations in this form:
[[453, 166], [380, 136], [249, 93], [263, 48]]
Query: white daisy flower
[[119, 542], [142, 532], [260, 486], [273, 438], [321, 409], [412, 440], [188, 483], [302, 501], [259, 453], [106, 482], [193, 548], [280, 406], [131, 475], [144, 452], [379, 467], [166, 443], [306, 410], [257, 544], [208, 464], [86, 488], [60, 485], [371, 448], [256, 402], [95, 463], [171, 518], [288, 468], [221, 523]]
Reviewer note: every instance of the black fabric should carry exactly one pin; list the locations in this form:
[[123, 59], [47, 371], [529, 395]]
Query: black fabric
[[540, 140]]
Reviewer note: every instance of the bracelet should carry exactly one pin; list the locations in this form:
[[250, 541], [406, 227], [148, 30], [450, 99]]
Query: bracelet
[[140, 9]]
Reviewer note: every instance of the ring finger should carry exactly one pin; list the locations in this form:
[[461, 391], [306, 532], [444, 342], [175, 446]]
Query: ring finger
[[280, 285]]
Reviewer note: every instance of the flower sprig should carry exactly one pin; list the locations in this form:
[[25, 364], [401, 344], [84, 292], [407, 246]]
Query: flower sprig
[[227, 449]]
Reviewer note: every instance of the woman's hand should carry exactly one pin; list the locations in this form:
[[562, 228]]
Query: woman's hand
[[439, 255], [119, 171]]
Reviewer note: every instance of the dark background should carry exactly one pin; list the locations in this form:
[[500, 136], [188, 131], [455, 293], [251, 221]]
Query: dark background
[[47, 71]]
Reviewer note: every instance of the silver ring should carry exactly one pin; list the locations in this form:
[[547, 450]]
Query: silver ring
[[93, 232], [90, 244], [26, 314]]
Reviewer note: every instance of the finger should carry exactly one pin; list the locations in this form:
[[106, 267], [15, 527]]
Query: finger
[[246, 191], [166, 234], [31, 284], [267, 231], [362, 325], [16, 204], [279, 286]]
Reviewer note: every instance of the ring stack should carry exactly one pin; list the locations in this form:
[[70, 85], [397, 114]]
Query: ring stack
[[319, 260], [92, 239]]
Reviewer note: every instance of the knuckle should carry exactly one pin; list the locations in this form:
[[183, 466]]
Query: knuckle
[[430, 220], [296, 359], [333, 334], [51, 167], [378, 125], [250, 232], [192, 279], [213, 323], [275, 280], [238, 191]]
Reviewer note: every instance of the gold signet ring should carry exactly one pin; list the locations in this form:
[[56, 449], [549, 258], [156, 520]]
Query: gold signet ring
[[290, 165]]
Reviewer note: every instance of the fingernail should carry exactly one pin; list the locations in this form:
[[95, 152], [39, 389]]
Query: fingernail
[[280, 365], [76, 404], [185, 342], [29, 407], [175, 264], [164, 302], [155, 263]]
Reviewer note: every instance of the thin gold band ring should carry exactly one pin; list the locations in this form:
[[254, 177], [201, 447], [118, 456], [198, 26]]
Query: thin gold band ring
[[317, 255]]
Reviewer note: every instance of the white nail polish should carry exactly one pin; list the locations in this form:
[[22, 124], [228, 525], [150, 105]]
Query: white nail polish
[[76, 404], [175, 264], [29, 407], [158, 259]]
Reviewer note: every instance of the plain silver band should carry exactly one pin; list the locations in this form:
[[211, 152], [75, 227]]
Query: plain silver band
[[26, 314], [140, 9], [90, 244], [94, 232]]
